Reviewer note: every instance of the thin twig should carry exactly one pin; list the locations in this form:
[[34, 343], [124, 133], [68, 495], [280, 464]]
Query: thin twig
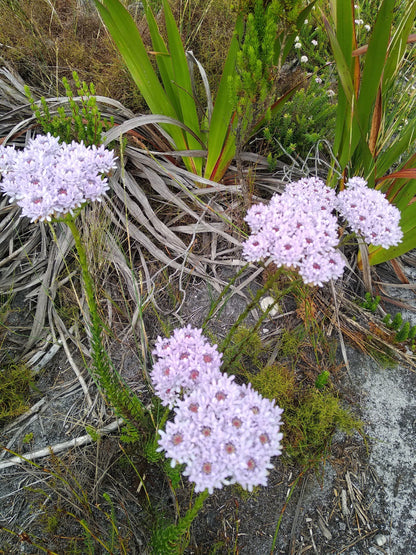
[[76, 442]]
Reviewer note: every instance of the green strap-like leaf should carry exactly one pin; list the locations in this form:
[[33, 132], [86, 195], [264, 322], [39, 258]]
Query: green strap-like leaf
[[129, 42], [163, 58], [220, 129], [182, 84], [375, 60], [398, 44], [402, 143], [125, 34]]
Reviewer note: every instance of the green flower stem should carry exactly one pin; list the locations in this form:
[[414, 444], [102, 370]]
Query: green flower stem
[[272, 279], [125, 403], [185, 522], [86, 275], [169, 540]]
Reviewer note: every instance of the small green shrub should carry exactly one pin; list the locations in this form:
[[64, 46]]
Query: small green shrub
[[322, 380], [306, 120], [370, 303], [82, 122], [404, 331]]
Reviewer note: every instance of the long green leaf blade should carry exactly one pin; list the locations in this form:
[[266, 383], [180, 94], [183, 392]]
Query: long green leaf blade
[[125, 34], [398, 44], [374, 63], [182, 82], [163, 59], [391, 154], [221, 120]]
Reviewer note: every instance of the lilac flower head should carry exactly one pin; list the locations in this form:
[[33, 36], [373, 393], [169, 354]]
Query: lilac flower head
[[369, 213], [184, 362], [224, 433], [47, 179], [298, 229]]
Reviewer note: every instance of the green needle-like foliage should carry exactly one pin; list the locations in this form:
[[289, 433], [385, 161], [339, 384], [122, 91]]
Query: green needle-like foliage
[[403, 333], [171, 539], [83, 120], [125, 403]]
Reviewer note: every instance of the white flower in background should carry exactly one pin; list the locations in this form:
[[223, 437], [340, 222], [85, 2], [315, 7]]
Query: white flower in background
[[314, 42], [359, 22], [304, 59], [298, 45], [318, 80], [367, 27], [306, 22], [356, 6], [297, 39], [330, 92]]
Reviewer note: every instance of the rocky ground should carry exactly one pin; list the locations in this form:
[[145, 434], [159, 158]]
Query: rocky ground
[[360, 501]]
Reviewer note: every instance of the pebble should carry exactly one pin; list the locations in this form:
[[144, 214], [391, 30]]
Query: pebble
[[265, 302], [380, 539], [342, 526]]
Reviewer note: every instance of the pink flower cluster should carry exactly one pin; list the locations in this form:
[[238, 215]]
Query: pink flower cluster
[[299, 228], [223, 432], [47, 179], [184, 362], [370, 214]]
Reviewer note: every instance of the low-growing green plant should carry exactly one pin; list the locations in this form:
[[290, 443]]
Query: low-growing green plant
[[83, 121], [370, 303], [302, 125], [322, 380], [404, 331], [16, 382], [28, 438], [311, 414], [394, 324]]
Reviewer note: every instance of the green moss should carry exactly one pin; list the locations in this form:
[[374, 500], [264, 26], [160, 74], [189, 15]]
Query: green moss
[[276, 382], [310, 416], [312, 424], [290, 342], [15, 382]]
